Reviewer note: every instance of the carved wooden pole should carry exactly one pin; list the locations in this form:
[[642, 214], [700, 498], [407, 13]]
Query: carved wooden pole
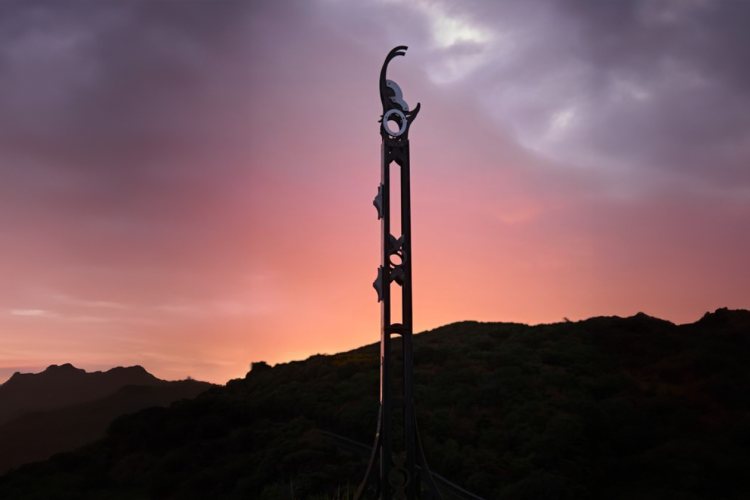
[[397, 469]]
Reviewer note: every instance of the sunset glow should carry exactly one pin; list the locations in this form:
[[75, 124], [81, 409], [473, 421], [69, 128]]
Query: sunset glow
[[188, 185]]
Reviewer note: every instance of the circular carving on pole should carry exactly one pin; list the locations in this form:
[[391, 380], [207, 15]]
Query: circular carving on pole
[[394, 105], [396, 259], [398, 478], [402, 119]]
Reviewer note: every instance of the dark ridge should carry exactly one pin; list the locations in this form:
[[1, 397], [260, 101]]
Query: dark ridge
[[606, 407], [66, 367], [724, 316], [63, 385]]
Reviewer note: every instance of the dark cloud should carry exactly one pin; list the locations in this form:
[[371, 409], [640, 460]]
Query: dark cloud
[[709, 37], [110, 88], [115, 91], [659, 88], [693, 58], [119, 145]]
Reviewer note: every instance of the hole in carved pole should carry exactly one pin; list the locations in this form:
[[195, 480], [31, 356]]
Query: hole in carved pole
[[394, 122], [396, 259], [397, 315], [398, 478], [395, 198]]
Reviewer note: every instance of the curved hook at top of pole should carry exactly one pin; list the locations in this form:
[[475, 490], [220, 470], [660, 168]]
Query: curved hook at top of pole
[[395, 107], [396, 51]]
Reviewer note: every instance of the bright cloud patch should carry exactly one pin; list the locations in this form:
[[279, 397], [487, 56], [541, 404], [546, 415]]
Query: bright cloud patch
[[31, 312], [449, 31]]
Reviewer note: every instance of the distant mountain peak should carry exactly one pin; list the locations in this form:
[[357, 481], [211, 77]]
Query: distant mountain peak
[[67, 367], [724, 315], [64, 384], [134, 368], [645, 317]]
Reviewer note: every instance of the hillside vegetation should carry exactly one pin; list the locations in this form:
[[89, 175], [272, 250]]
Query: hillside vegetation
[[65, 407], [39, 435], [609, 407]]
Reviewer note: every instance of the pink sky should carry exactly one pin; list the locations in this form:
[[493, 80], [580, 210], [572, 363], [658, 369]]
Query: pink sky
[[188, 186]]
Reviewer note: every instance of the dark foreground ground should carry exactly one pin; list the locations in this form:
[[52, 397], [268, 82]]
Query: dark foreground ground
[[615, 408]]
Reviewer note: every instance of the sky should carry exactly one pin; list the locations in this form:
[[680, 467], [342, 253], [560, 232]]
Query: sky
[[188, 185]]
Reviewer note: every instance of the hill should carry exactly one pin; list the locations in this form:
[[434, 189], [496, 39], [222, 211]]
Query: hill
[[64, 385], [608, 407], [64, 407]]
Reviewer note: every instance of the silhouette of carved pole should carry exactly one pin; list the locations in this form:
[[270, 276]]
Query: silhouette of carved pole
[[397, 468]]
